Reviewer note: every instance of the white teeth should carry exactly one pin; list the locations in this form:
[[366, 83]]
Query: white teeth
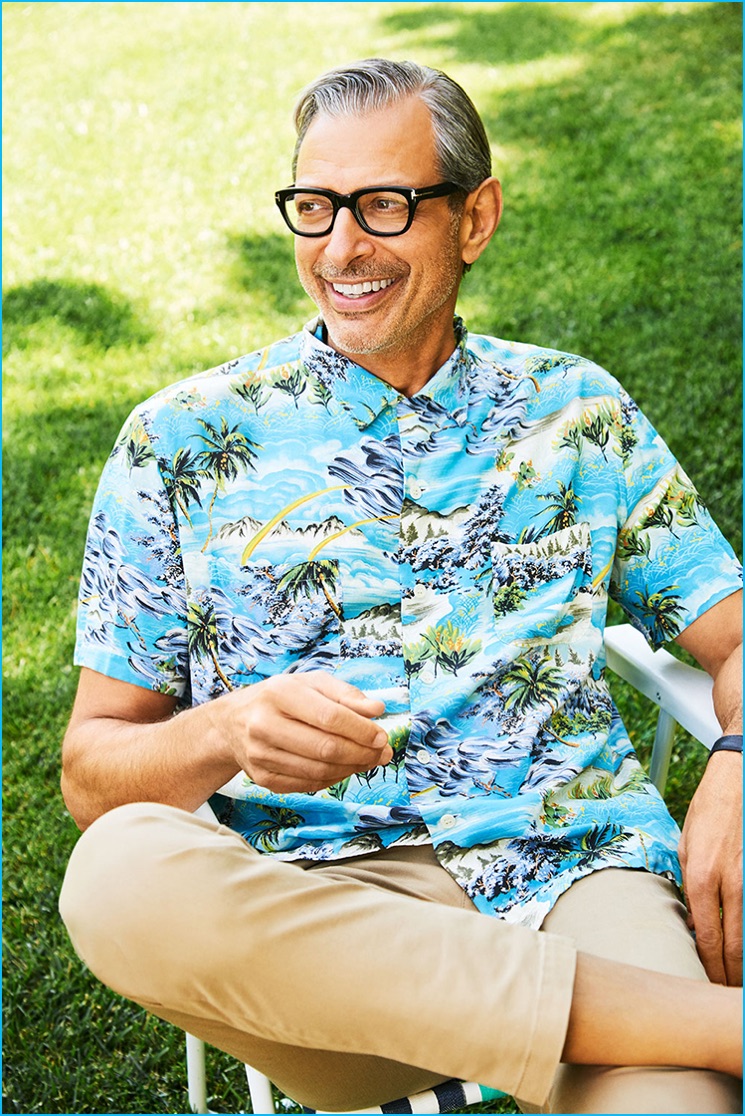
[[354, 290]]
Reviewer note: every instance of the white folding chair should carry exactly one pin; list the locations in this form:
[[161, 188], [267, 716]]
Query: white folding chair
[[683, 695], [682, 692]]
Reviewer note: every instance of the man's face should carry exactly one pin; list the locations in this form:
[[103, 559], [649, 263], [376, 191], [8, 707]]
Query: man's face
[[406, 326]]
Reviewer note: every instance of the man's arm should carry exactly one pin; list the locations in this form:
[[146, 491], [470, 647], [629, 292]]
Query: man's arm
[[711, 845], [295, 732]]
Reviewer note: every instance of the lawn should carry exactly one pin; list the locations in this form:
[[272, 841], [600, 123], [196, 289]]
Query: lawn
[[142, 147]]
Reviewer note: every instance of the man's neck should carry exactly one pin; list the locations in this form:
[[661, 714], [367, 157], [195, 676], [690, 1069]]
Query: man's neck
[[409, 367]]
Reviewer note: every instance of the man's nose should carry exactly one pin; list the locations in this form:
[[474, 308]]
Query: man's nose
[[347, 240]]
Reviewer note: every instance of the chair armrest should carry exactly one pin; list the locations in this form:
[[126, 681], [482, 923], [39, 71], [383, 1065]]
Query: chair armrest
[[682, 691], [206, 812]]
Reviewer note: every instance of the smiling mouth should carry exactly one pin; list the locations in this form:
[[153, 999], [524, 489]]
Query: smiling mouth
[[357, 290]]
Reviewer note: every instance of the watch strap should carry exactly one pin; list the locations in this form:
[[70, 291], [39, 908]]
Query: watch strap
[[730, 743]]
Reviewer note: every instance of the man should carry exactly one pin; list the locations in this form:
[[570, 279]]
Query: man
[[352, 588]]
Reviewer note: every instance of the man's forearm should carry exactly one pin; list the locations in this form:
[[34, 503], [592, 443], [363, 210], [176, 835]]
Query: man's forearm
[[727, 695], [291, 733], [108, 762]]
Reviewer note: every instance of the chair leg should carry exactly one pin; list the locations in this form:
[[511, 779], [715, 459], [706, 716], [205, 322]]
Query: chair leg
[[260, 1089], [662, 750], [195, 1074]]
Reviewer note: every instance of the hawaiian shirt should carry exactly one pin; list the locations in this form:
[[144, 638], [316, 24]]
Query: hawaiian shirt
[[450, 554]]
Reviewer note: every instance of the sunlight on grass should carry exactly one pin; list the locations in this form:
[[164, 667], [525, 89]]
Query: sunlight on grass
[[531, 75]]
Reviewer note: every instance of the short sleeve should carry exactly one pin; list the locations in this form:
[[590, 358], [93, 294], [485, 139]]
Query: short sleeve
[[672, 562], [131, 608]]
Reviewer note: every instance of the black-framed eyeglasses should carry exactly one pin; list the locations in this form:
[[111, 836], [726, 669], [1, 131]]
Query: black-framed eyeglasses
[[379, 210]]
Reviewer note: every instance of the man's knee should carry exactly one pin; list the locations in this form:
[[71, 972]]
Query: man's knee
[[127, 887]]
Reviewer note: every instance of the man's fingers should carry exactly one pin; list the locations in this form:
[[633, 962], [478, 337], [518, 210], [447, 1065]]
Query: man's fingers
[[307, 760], [304, 732], [319, 706], [715, 915], [345, 693], [709, 945], [309, 743], [732, 929], [707, 923], [286, 771]]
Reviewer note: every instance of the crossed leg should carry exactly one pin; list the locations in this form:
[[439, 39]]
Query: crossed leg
[[636, 918], [341, 983]]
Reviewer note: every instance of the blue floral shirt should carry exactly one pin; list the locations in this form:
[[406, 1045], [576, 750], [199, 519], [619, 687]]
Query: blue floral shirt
[[451, 554]]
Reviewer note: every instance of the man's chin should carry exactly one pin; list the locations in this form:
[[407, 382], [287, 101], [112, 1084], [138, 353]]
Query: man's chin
[[352, 342]]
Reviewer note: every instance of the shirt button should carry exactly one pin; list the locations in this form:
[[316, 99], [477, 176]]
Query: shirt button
[[419, 590], [423, 755], [447, 821], [415, 490]]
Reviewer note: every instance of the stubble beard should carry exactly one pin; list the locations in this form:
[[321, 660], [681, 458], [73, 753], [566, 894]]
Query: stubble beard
[[356, 338]]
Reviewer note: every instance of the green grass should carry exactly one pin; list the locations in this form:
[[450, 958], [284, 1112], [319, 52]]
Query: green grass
[[143, 143]]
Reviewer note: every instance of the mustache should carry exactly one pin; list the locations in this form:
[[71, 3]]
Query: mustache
[[358, 274]]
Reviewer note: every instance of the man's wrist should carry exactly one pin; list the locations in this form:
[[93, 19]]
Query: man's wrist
[[731, 742]]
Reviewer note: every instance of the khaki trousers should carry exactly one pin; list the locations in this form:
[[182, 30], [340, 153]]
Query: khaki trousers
[[352, 982]]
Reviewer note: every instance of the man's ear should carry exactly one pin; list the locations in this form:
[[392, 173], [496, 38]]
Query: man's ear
[[481, 215]]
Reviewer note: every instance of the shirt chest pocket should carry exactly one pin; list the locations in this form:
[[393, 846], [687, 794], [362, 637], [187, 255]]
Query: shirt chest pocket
[[541, 591]]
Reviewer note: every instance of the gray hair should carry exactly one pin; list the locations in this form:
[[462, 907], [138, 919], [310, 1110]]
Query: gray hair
[[460, 139]]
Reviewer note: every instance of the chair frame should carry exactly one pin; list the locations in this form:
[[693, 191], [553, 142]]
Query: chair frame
[[684, 696]]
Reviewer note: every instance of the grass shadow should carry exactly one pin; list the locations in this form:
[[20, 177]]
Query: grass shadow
[[45, 454], [516, 33], [98, 316], [511, 33], [265, 269]]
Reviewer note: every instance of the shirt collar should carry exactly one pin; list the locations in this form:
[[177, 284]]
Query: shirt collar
[[364, 396]]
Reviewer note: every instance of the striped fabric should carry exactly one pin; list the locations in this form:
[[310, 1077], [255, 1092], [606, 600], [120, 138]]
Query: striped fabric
[[450, 1096]]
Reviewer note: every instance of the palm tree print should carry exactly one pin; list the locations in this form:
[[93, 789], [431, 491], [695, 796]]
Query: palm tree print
[[534, 682], [203, 635], [184, 475], [227, 451], [563, 502], [664, 609], [600, 843], [308, 577], [268, 830], [498, 650]]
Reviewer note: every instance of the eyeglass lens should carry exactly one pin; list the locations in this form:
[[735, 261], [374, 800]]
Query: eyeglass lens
[[382, 211]]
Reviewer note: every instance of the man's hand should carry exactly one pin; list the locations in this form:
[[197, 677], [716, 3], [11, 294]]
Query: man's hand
[[295, 732], [301, 732], [711, 845], [711, 858]]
